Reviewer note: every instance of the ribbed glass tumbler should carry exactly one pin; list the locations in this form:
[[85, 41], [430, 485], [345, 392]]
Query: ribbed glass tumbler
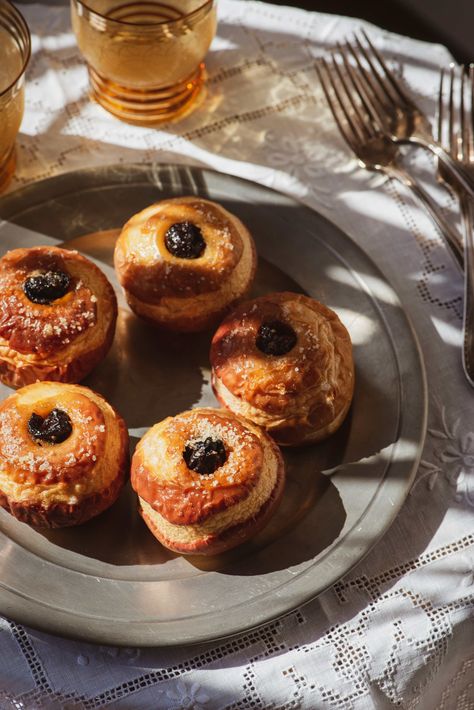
[[15, 48], [145, 58]]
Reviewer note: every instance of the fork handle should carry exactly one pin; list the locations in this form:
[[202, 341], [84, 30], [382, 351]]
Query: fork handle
[[447, 232], [453, 167], [468, 319]]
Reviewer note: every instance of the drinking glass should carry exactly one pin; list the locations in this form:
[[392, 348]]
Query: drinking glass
[[15, 50], [145, 57]]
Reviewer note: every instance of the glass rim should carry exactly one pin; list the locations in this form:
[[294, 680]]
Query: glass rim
[[25, 27], [160, 23]]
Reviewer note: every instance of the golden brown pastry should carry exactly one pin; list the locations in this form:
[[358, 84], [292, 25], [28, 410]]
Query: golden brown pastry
[[206, 480], [184, 262], [57, 316], [284, 361], [63, 454]]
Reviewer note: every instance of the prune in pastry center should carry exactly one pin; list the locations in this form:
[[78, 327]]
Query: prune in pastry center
[[275, 338], [53, 429], [47, 287], [185, 240], [206, 456]]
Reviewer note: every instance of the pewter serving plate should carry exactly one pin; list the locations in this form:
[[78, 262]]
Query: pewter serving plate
[[109, 580]]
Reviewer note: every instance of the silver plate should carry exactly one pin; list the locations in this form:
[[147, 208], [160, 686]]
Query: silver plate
[[109, 581]]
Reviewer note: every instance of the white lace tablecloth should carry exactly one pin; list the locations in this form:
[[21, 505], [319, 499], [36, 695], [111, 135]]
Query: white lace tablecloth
[[397, 631]]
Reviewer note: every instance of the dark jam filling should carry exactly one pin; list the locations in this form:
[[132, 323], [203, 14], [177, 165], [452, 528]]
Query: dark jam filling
[[275, 338], [206, 456], [53, 429], [47, 287], [185, 240]]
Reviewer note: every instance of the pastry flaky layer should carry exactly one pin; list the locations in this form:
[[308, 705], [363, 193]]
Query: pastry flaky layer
[[195, 513], [62, 340], [185, 294], [299, 397], [61, 484]]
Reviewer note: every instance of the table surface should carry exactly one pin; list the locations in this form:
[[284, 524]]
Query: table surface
[[392, 15], [397, 631]]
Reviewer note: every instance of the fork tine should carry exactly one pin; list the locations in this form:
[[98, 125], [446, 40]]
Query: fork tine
[[451, 130], [462, 143], [362, 123], [373, 109], [471, 122], [370, 87], [351, 140], [350, 73], [439, 125], [388, 73], [341, 98], [376, 74]]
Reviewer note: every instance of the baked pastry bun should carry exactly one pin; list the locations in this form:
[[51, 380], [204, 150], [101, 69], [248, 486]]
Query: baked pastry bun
[[57, 316], [284, 361], [206, 480], [184, 262], [63, 454]]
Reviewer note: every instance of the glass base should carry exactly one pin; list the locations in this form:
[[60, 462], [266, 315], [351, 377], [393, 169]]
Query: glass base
[[7, 168], [151, 106]]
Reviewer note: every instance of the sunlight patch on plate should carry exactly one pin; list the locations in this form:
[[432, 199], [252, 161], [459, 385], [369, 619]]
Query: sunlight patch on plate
[[380, 289]]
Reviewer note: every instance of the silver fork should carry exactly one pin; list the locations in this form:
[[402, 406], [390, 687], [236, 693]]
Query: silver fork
[[374, 149], [460, 124], [396, 112]]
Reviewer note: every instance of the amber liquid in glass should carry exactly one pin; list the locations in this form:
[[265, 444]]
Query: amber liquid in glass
[[12, 103], [145, 58]]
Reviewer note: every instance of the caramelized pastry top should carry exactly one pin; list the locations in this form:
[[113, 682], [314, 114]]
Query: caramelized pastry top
[[58, 441], [49, 299], [163, 478], [184, 247], [29, 459], [285, 354]]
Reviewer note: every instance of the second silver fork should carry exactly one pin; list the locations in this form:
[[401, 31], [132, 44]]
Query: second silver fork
[[460, 142], [359, 127]]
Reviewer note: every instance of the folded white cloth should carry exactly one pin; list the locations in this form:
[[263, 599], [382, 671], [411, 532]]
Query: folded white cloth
[[398, 630]]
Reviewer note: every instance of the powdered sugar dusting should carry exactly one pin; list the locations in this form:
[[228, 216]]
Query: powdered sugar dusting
[[237, 439], [36, 328]]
